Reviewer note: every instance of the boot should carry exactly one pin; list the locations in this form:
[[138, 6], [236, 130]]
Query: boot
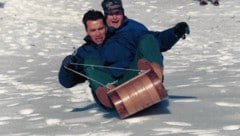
[[215, 2], [143, 64], [203, 2], [158, 70], [102, 96]]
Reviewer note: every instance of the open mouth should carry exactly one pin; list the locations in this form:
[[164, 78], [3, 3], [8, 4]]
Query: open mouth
[[115, 22], [99, 39]]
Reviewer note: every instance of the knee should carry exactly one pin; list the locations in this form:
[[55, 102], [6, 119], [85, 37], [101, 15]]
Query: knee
[[148, 42], [148, 39]]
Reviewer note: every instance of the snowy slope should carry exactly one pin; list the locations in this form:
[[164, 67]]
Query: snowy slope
[[202, 73]]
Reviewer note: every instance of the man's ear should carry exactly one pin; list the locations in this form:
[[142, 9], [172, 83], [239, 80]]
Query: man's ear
[[86, 31]]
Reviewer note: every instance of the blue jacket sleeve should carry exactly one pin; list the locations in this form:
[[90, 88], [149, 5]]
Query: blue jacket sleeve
[[167, 39], [69, 79]]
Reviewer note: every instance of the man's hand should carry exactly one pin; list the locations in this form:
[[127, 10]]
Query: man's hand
[[68, 60], [181, 29]]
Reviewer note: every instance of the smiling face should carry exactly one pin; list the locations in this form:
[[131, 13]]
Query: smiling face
[[96, 29], [115, 19]]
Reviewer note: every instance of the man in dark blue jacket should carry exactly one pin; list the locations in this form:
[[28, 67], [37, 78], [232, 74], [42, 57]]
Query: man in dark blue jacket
[[105, 59], [118, 22]]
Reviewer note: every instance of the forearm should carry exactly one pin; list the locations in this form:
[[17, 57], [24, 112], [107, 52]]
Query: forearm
[[69, 79], [167, 39]]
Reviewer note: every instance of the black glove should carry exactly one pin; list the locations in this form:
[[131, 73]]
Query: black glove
[[68, 60], [181, 29]]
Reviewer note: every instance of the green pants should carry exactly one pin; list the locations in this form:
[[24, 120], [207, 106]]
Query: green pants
[[98, 76], [148, 48]]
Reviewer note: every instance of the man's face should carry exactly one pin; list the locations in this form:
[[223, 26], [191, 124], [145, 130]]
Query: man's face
[[115, 19], [96, 29]]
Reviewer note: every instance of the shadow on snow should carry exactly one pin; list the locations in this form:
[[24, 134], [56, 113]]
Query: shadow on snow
[[156, 109]]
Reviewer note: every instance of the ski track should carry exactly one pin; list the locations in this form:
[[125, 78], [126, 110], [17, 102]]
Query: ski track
[[203, 69]]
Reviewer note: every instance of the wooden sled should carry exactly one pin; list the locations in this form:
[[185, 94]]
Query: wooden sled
[[135, 95]]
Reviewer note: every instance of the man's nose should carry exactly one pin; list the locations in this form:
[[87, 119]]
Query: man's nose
[[98, 33], [114, 16]]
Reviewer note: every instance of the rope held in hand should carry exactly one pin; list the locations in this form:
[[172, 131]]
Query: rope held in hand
[[99, 66]]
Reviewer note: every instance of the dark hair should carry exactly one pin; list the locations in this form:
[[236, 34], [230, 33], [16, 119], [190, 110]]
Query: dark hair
[[93, 15]]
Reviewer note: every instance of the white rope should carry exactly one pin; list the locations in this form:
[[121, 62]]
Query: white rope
[[108, 67], [99, 66], [78, 73]]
